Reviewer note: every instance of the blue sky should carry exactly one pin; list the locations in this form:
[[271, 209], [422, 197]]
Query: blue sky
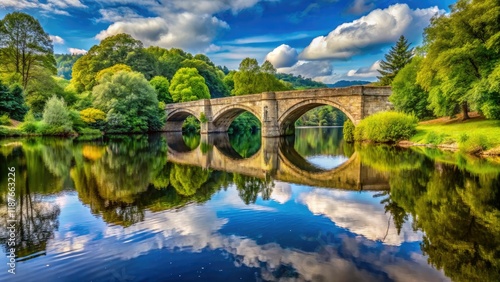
[[327, 40]]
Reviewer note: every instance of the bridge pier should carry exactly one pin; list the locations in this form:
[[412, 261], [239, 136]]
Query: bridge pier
[[269, 122]]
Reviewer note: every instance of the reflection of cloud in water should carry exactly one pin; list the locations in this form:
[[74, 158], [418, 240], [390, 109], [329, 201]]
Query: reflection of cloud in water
[[282, 192], [327, 162], [366, 218], [196, 227]]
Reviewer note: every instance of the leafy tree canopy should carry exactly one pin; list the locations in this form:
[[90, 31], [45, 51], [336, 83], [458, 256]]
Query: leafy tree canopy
[[462, 51], [407, 96], [161, 86], [129, 101], [111, 51], [187, 85], [25, 48], [251, 78]]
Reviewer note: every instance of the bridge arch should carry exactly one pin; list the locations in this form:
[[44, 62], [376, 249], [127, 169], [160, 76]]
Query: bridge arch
[[287, 120], [176, 118], [223, 118]]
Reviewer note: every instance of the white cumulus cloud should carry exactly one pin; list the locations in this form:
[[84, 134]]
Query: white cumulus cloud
[[49, 7], [183, 24], [310, 69], [379, 28], [283, 56], [370, 71], [76, 51], [56, 39]]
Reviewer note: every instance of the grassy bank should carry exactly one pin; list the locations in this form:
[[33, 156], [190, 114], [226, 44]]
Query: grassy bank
[[476, 136]]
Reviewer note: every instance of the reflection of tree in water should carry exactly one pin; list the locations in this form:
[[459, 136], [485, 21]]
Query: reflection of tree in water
[[459, 211], [250, 187], [112, 183], [36, 218], [187, 179], [246, 144], [120, 180], [327, 141]]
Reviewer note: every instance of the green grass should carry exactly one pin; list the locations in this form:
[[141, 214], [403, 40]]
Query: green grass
[[471, 136]]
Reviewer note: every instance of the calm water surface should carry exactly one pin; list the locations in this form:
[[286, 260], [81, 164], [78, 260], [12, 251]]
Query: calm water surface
[[246, 208]]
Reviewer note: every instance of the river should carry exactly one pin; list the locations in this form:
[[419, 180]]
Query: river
[[311, 207]]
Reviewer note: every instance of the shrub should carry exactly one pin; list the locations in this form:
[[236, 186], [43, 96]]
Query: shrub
[[46, 129], [30, 125], [386, 127], [56, 115], [7, 131], [94, 118], [348, 131], [5, 120]]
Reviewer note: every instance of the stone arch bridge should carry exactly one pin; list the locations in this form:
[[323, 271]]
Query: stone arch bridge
[[278, 111]]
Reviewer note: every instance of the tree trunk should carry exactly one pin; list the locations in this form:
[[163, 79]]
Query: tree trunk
[[465, 111]]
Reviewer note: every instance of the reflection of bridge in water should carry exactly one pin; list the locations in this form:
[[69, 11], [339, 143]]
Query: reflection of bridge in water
[[277, 159]]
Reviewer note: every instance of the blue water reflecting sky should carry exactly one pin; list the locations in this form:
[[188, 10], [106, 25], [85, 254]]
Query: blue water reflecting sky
[[300, 234]]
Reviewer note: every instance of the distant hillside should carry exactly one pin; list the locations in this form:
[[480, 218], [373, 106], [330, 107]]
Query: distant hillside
[[65, 64], [346, 83], [299, 82]]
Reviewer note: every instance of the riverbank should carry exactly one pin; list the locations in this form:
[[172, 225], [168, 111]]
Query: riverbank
[[476, 136]]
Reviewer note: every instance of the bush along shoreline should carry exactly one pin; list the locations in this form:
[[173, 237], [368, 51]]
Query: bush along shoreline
[[384, 127], [475, 137]]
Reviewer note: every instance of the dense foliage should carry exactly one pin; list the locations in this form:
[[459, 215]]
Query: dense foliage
[[251, 78], [407, 96], [161, 85], [187, 85], [130, 103], [12, 102], [386, 127], [462, 52]]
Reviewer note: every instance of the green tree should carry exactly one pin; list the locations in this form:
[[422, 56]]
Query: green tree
[[130, 103], [112, 70], [407, 96], [161, 86], [12, 102], [462, 50], [111, 51], [213, 76], [486, 94], [251, 78], [40, 90], [56, 115], [25, 48], [187, 85], [170, 60], [395, 60]]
